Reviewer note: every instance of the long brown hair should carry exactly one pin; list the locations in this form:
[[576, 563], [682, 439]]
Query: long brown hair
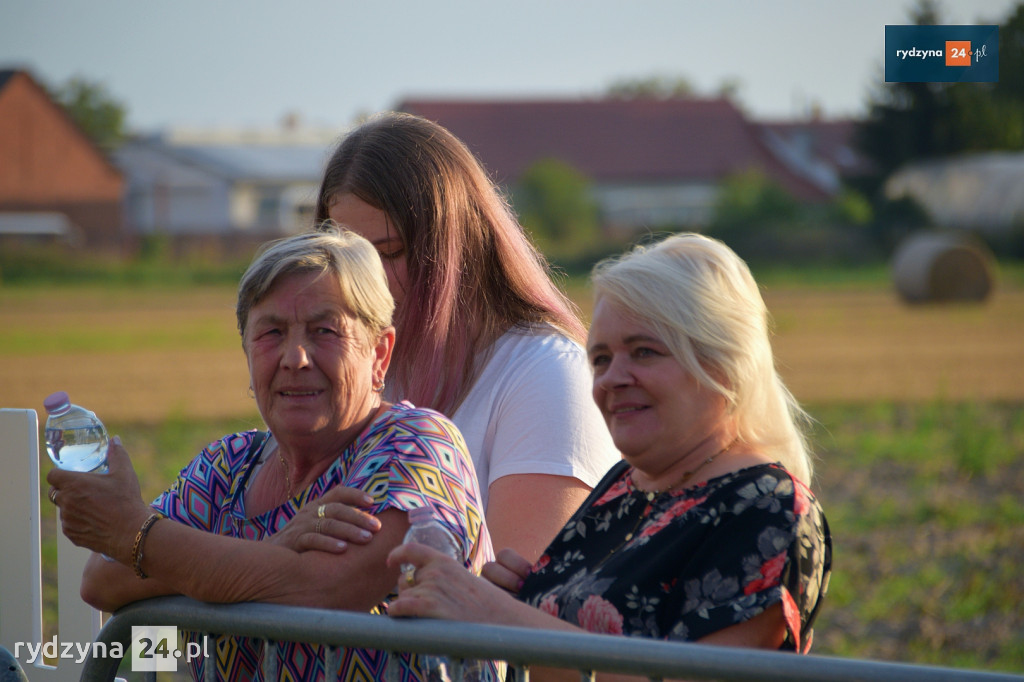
[[472, 271]]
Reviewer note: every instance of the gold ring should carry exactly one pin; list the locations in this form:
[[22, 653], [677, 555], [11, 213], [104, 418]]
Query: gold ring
[[410, 576], [317, 529], [320, 511], [53, 495]]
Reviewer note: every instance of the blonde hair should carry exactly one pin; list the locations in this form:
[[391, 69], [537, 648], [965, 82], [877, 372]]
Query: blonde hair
[[702, 301], [330, 251]]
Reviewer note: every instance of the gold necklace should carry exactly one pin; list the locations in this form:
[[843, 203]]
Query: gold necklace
[[651, 495], [284, 465]]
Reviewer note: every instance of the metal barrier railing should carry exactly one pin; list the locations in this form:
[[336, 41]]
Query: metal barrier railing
[[521, 647]]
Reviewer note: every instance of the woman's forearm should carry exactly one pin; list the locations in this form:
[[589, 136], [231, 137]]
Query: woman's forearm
[[221, 569], [214, 568], [108, 585]]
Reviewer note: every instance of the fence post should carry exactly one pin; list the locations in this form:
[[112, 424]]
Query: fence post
[[21, 583]]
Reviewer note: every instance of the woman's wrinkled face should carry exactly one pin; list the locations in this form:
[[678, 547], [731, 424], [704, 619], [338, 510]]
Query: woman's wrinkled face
[[311, 365], [655, 409], [373, 224]]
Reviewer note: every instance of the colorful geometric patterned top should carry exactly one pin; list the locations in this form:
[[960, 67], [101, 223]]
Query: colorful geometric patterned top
[[409, 457]]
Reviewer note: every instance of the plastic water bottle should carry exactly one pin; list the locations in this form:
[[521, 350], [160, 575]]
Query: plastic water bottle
[[424, 529], [76, 439]]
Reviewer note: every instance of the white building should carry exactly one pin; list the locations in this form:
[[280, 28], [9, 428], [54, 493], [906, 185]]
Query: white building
[[189, 183]]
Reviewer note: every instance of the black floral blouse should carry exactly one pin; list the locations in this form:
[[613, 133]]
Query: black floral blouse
[[688, 562]]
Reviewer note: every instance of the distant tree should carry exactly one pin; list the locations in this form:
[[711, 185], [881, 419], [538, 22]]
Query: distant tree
[[659, 87], [749, 201], [668, 87], [730, 88], [96, 112], [1011, 56], [850, 207], [554, 203]]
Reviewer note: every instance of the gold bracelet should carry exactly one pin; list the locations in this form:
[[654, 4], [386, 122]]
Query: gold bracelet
[[137, 547]]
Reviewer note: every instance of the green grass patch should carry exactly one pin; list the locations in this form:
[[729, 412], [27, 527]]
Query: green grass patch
[[194, 334], [44, 268], [925, 504], [936, 438]]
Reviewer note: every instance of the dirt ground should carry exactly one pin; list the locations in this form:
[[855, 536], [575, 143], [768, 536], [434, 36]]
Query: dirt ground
[[138, 356]]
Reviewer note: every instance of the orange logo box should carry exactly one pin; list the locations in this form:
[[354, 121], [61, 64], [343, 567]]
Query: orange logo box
[[958, 53]]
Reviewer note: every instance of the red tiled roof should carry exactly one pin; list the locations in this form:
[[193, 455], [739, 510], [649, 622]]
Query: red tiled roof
[[613, 140]]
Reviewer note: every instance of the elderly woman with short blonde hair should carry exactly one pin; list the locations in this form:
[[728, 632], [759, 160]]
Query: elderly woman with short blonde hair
[[314, 313]]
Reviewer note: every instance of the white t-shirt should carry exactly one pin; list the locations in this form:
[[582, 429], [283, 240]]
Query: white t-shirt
[[531, 411]]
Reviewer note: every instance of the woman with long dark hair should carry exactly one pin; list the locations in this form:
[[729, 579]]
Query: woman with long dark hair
[[483, 334]]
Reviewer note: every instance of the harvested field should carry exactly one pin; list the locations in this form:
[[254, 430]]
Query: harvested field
[[857, 346], [145, 355], [130, 356]]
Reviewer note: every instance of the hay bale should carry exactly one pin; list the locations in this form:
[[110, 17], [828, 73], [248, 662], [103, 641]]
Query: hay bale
[[939, 266]]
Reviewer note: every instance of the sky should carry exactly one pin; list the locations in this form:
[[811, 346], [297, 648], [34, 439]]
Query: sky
[[247, 64]]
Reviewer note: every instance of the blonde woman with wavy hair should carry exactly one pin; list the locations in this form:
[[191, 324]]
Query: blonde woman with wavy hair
[[718, 330], [707, 530], [314, 315]]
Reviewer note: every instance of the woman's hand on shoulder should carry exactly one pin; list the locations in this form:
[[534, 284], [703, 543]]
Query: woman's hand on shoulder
[[508, 571], [440, 587], [433, 585], [329, 523]]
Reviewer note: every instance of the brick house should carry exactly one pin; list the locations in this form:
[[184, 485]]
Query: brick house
[[53, 179], [652, 162]]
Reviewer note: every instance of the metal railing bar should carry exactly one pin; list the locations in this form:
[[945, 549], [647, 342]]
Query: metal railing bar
[[209, 671], [518, 646]]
